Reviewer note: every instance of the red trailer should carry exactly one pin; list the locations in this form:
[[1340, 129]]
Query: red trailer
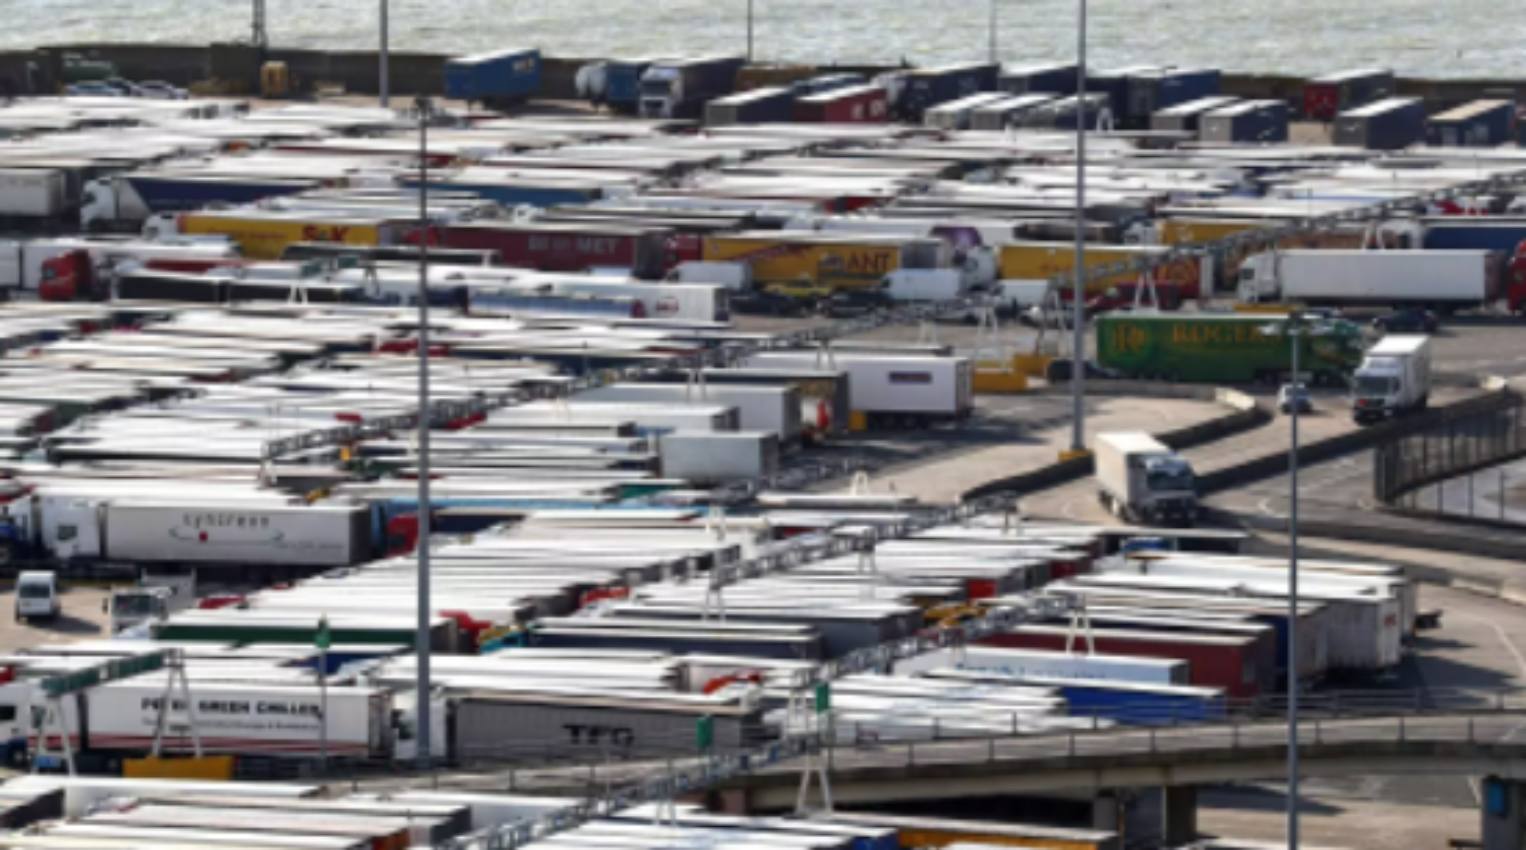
[[1235, 663], [865, 104], [568, 246]]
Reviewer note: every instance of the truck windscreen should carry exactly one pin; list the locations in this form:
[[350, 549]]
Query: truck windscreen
[[1376, 385], [1169, 479]]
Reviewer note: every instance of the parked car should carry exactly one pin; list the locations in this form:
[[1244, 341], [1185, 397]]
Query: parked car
[[852, 303], [1407, 320], [93, 89], [1294, 397], [127, 88]]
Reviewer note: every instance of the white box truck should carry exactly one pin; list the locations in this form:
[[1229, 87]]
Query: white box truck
[[887, 388], [1141, 480], [1440, 280], [1394, 377]]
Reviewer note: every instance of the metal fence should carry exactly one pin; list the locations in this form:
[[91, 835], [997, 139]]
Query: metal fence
[[1463, 439]]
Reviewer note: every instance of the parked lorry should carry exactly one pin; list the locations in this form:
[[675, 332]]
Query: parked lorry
[[613, 83], [1174, 282], [826, 261], [887, 388], [498, 78], [151, 600], [66, 269], [1224, 348], [1139, 479], [1478, 123], [914, 92], [1394, 378], [118, 719], [265, 234], [1444, 281], [570, 247], [680, 89]]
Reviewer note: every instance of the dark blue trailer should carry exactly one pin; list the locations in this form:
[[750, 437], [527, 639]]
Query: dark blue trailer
[[500, 77], [1246, 121], [1156, 90], [680, 88], [1137, 704], [1468, 233], [923, 88], [1115, 82], [1184, 117], [758, 106], [1008, 112], [1387, 124], [1479, 123], [1057, 78]]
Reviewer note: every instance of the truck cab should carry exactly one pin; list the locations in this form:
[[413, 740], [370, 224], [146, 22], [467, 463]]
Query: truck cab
[[662, 89], [1394, 377], [1141, 480], [138, 606], [15, 718]]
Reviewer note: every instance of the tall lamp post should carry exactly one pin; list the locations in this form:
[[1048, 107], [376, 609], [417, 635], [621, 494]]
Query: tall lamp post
[[422, 638], [749, 31], [1078, 293], [383, 83], [992, 31]]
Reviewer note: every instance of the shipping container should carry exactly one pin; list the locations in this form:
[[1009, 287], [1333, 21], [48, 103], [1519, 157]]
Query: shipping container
[[1001, 114], [498, 78], [1174, 283], [1327, 96], [1478, 123], [757, 106], [1247, 121], [567, 247], [1388, 124], [1059, 78], [1184, 117], [860, 104], [1224, 348]]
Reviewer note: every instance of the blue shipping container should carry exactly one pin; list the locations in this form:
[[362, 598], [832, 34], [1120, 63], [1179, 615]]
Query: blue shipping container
[[928, 87], [504, 75], [1140, 705]]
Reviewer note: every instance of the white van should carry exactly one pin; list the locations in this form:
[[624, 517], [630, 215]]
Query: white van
[[36, 596]]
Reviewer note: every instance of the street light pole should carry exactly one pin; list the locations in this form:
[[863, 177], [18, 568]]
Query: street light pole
[[993, 31], [1078, 293], [1295, 329], [422, 638], [382, 71], [749, 32]]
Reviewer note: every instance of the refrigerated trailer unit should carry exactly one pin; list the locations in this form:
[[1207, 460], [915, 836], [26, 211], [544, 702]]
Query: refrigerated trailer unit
[[717, 457], [1440, 280], [32, 194]]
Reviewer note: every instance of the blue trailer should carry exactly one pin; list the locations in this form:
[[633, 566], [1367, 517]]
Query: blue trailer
[[501, 77], [1387, 124], [1461, 233], [1114, 82], [825, 83], [1246, 121], [1055, 78], [1478, 123], [924, 88], [509, 191], [1156, 90], [755, 106], [1137, 704], [168, 192]]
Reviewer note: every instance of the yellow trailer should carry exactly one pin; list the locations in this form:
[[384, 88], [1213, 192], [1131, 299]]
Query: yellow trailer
[[825, 261], [1039, 260], [263, 236]]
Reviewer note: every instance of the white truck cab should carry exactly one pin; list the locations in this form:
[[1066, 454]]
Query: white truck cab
[[1395, 377], [37, 595], [1141, 480]]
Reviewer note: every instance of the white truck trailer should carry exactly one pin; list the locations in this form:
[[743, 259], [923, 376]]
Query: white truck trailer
[[1141, 480], [1444, 281], [888, 388], [1395, 377]]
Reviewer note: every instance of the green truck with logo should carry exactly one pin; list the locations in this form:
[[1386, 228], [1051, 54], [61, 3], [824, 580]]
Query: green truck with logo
[[1227, 348]]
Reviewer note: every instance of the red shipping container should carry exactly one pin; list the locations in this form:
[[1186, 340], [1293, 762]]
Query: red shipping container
[[866, 104], [1214, 661]]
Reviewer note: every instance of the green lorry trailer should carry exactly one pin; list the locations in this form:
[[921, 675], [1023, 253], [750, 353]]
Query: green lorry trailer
[[1226, 348]]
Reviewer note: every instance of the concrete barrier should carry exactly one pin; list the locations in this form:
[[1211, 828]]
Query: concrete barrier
[[1244, 413]]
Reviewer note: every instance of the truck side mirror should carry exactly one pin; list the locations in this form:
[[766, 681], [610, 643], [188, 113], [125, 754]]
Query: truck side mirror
[[105, 606]]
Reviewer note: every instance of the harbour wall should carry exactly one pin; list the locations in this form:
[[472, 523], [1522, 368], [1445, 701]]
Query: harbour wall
[[234, 69]]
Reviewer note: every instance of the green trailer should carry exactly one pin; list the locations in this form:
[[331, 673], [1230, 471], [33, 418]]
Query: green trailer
[[1228, 348]]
